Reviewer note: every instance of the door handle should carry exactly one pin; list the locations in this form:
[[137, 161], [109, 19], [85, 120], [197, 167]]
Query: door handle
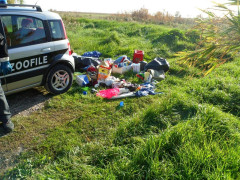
[[46, 49]]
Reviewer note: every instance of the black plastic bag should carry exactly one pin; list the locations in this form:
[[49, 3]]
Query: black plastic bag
[[142, 65], [158, 64], [82, 62]]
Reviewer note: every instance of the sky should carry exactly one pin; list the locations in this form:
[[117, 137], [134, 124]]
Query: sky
[[187, 8]]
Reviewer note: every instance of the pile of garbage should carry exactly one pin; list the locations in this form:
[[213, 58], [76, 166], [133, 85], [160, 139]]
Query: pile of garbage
[[99, 73]]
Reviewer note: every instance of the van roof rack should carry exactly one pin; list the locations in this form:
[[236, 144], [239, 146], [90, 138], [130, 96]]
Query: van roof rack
[[38, 8]]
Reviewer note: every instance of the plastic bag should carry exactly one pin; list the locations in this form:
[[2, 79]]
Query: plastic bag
[[82, 63], [108, 93], [92, 54], [158, 64], [142, 65], [158, 75], [82, 80]]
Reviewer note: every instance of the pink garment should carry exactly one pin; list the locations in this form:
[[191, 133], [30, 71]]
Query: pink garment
[[108, 93]]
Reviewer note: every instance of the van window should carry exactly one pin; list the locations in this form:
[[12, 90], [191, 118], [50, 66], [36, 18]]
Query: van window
[[23, 30], [56, 29]]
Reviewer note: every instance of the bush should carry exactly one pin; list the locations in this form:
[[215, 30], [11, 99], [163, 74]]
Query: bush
[[170, 37], [140, 15]]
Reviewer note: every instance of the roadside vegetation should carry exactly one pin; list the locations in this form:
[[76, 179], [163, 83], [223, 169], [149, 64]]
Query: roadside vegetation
[[142, 15], [219, 39], [191, 131]]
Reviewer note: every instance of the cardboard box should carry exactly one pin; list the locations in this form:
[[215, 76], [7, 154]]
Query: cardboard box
[[104, 72], [121, 70]]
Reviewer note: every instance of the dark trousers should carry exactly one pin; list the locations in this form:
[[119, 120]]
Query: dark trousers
[[5, 114], [4, 108]]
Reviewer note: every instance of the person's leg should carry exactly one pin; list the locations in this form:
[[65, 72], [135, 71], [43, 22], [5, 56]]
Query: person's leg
[[5, 68], [5, 114]]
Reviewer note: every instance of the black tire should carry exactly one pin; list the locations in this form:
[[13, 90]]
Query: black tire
[[59, 79]]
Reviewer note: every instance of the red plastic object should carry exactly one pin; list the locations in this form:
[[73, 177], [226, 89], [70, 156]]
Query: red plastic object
[[140, 76], [91, 69], [138, 56]]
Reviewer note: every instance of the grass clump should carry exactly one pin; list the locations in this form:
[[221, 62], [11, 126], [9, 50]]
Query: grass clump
[[203, 147], [113, 38], [156, 118]]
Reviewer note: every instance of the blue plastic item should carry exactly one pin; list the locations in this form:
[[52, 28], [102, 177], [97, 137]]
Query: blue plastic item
[[3, 1], [120, 59], [84, 92], [92, 54], [121, 104], [6, 67], [82, 80]]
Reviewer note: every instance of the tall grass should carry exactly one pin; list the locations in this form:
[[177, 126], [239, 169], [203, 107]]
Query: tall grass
[[113, 38], [219, 40]]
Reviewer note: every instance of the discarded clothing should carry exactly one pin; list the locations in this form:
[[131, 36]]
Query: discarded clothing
[[144, 92], [146, 89]]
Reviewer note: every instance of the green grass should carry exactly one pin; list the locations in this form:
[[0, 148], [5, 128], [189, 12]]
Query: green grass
[[114, 38], [191, 131]]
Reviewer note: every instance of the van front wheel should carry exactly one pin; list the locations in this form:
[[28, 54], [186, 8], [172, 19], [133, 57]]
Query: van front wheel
[[59, 79]]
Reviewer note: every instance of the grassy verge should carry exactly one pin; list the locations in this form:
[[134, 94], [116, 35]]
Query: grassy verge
[[189, 132]]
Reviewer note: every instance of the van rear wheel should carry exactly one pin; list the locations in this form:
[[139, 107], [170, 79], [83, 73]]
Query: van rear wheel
[[59, 79]]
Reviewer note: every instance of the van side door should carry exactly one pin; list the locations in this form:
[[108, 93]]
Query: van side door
[[28, 51]]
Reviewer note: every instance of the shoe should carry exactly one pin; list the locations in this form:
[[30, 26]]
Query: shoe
[[8, 126]]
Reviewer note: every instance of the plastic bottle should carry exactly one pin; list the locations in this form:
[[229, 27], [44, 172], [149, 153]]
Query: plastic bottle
[[136, 67]]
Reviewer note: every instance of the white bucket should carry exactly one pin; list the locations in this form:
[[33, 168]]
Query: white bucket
[[136, 67]]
